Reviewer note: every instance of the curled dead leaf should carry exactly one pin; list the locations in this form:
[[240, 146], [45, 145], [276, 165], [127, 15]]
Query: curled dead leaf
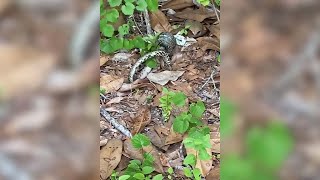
[[195, 14], [111, 83], [178, 4], [208, 43], [159, 22], [110, 156], [164, 77], [141, 120]]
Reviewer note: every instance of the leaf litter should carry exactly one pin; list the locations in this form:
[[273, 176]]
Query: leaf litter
[[137, 108]]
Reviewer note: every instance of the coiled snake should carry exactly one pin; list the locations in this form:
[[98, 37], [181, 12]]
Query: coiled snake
[[167, 43]]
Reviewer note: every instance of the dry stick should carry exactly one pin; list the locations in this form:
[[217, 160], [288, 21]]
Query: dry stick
[[147, 19], [146, 70], [114, 122], [215, 10]]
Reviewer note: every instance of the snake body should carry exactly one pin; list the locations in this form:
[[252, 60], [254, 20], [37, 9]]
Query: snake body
[[166, 43]]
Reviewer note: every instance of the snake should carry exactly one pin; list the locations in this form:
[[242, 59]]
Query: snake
[[166, 44]]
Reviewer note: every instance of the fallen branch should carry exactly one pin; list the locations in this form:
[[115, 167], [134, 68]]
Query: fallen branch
[[114, 123]]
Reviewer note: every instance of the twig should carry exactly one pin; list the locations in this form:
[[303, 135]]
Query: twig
[[215, 11], [147, 20], [114, 122]]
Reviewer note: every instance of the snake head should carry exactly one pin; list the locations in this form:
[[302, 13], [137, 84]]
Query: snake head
[[167, 41]]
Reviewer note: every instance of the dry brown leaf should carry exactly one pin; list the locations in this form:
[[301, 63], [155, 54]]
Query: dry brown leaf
[[214, 174], [156, 155], [111, 83], [178, 4], [164, 77], [159, 22], [215, 30], [23, 69], [195, 14], [204, 165], [208, 43], [103, 60], [154, 137], [141, 120], [110, 156], [114, 101], [173, 137], [194, 26], [215, 142], [130, 151]]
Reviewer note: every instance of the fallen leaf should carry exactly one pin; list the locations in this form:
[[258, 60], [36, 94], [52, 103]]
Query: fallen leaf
[[130, 151], [195, 14], [159, 22], [173, 137], [215, 30], [103, 60], [215, 142], [208, 43], [141, 120], [111, 83], [204, 165], [114, 101], [178, 4], [164, 77], [156, 155], [154, 137], [214, 173], [110, 156], [194, 26]]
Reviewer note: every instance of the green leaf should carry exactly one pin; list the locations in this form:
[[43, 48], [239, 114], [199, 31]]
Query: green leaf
[[106, 47], [114, 3], [123, 29], [140, 140], [135, 161], [152, 5], [112, 15], [151, 63], [197, 174], [124, 177], [142, 5], [179, 99], [107, 30], [190, 160], [181, 123], [187, 172], [127, 9], [139, 176], [203, 154], [147, 170], [129, 1], [128, 44], [170, 170], [158, 177], [139, 42], [197, 109], [218, 2], [116, 43]]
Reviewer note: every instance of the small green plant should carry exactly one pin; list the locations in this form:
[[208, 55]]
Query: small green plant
[[102, 90], [139, 170], [185, 30], [169, 99], [198, 136], [218, 2], [114, 39]]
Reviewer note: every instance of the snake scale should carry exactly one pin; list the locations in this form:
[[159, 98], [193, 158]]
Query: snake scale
[[166, 42]]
